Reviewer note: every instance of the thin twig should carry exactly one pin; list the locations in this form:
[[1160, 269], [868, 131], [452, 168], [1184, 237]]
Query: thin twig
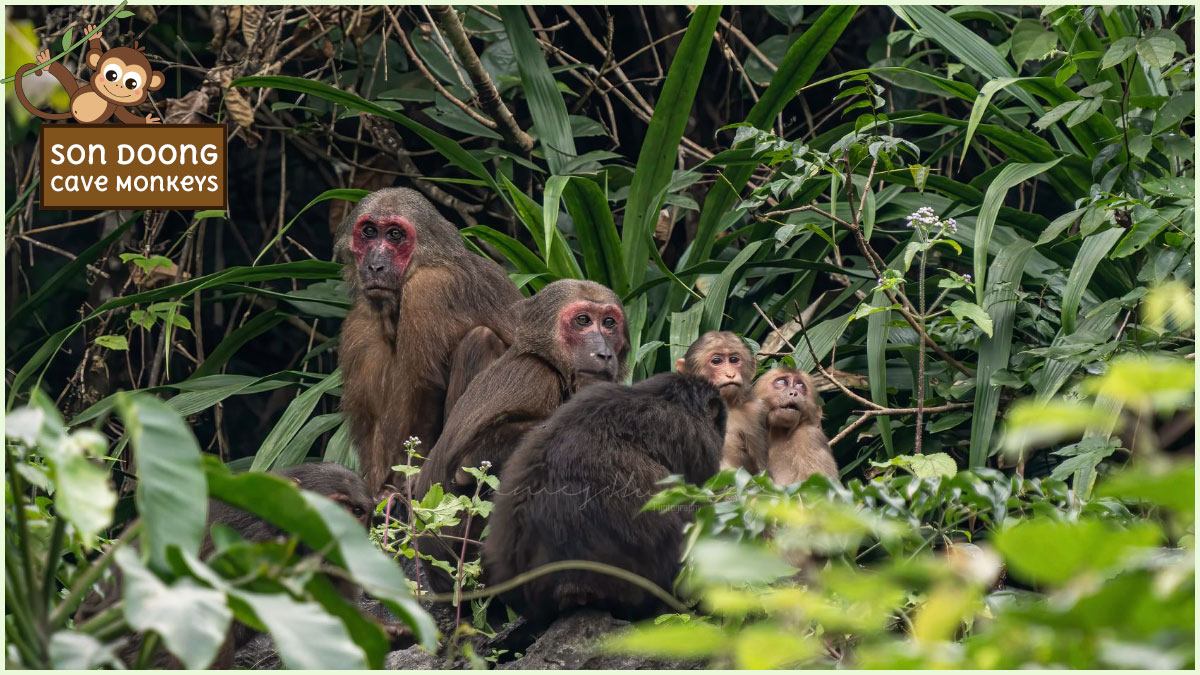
[[867, 415]]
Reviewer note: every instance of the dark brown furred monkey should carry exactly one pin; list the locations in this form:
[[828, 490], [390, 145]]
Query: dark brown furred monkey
[[575, 489], [724, 359], [796, 445], [122, 79], [428, 316]]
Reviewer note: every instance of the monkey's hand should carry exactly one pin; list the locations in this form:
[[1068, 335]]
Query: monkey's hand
[[151, 119], [42, 57], [89, 28]]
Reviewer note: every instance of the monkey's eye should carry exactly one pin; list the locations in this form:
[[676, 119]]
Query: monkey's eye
[[358, 510], [735, 359], [716, 360], [112, 72], [583, 320], [369, 232], [610, 322], [132, 81], [781, 382], [799, 385], [395, 234]]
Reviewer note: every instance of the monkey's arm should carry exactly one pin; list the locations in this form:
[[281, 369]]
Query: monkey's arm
[[128, 117], [64, 77], [475, 352]]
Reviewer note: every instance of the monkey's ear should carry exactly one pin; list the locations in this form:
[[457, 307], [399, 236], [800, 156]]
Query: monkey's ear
[[680, 366], [93, 58], [156, 81]]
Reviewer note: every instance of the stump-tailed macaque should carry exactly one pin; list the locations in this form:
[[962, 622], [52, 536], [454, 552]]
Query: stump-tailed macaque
[[724, 359], [796, 445], [428, 316], [570, 334], [575, 488]]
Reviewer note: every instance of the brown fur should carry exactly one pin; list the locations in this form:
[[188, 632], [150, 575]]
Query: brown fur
[[796, 445], [404, 349], [517, 392], [712, 356]]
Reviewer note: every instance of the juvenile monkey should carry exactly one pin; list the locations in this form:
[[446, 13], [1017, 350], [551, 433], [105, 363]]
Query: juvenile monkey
[[796, 445], [723, 359], [122, 79]]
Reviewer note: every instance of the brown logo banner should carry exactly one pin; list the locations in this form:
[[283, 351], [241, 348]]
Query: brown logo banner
[[112, 166]]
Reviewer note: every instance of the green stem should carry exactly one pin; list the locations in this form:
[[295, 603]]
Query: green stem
[[84, 583], [25, 636], [82, 40], [920, 354], [24, 544], [53, 559]]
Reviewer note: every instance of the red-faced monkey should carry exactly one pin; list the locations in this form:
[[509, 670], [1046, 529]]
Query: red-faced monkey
[[428, 315], [122, 79], [723, 359], [796, 445]]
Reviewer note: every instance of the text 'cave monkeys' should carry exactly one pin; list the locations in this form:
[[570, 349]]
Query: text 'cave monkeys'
[[723, 359], [796, 445], [428, 316]]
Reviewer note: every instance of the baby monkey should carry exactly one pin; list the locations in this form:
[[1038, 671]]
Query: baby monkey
[[723, 359], [796, 445]]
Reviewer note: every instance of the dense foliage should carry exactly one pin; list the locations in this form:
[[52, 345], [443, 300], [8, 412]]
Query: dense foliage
[[977, 225]]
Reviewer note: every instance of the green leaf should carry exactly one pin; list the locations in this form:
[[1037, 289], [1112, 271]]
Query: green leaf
[[1031, 42], [70, 650], [350, 195], [721, 562], [171, 495], [823, 337], [1084, 110], [1173, 112], [597, 234], [934, 465], [546, 104], [1010, 176], [1055, 552], [117, 342], [969, 310], [1000, 303], [124, 14], [691, 640], [1091, 252], [685, 328], [656, 159], [1174, 488], [297, 449], [515, 252], [718, 292], [1157, 52], [192, 620], [877, 337], [551, 197], [1146, 383], [66, 38], [450, 149], [1118, 51], [307, 636], [290, 423], [1031, 423]]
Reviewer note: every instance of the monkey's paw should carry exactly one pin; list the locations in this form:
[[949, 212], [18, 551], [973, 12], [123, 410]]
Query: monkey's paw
[[151, 119], [43, 56], [90, 27]]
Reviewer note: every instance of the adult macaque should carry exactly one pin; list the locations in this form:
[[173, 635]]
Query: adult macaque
[[428, 316], [796, 445], [570, 334], [575, 489], [723, 359]]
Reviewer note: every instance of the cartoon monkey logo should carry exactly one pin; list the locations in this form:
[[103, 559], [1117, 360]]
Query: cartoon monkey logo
[[122, 79]]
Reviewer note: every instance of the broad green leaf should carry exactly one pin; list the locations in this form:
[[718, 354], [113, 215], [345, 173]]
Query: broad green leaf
[[1054, 552], [1031, 42], [691, 640], [1010, 176], [877, 337], [308, 638], [685, 328], [1155, 51], [117, 342], [341, 449], [191, 619], [171, 496], [297, 449], [1030, 423], [290, 423], [770, 645], [71, 650], [1091, 252], [969, 310], [1174, 488], [1146, 383], [932, 465], [1118, 51], [597, 234], [721, 562], [1173, 112], [546, 104], [823, 337]]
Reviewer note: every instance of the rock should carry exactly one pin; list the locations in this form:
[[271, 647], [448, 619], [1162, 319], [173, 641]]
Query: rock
[[413, 658], [570, 643]]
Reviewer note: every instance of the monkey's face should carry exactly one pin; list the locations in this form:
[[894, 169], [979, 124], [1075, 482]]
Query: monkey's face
[[125, 79], [593, 335], [726, 366], [383, 247], [357, 502], [789, 398]]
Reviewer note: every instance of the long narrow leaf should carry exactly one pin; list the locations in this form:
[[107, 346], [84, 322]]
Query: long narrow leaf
[[546, 103], [1001, 303], [1091, 252], [289, 424], [1011, 176], [350, 195], [597, 234], [877, 335], [718, 293]]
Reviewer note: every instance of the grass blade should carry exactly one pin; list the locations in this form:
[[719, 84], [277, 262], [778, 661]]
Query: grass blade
[[289, 424], [546, 103], [1009, 177], [656, 160], [685, 328], [1091, 252], [718, 293], [877, 336], [597, 234], [348, 194], [823, 337], [1001, 303]]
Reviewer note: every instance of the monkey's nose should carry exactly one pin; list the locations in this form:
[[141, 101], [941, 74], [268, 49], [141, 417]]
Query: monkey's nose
[[375, 268], [602, 356]]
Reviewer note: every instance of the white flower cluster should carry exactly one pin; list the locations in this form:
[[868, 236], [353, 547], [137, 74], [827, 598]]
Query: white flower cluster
[[926, 219]]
